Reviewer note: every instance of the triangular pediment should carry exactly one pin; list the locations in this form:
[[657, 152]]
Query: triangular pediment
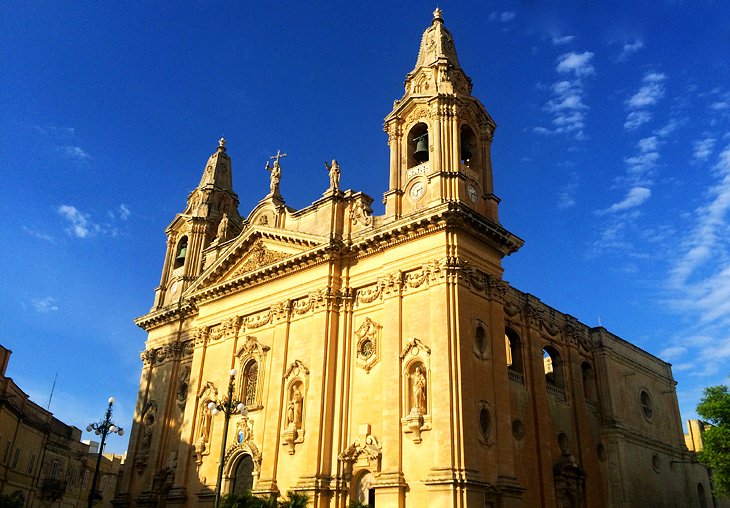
[[256, 248]]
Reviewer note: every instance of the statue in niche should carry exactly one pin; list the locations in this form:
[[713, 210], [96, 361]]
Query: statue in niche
[[183, 386], [223, 228], [419, 390], [147, 428], [334, 171], [294, 409]]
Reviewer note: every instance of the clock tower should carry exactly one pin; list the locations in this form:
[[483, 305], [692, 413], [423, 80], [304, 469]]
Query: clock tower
[[439, 135]]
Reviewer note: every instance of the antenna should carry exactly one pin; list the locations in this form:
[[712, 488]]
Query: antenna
[[48, 406]]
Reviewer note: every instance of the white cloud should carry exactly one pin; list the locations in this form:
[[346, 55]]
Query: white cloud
[[559, 40], [636, 118], [720, 105], [567, 105], [636, 196], [703, 148], [503, 16], [577, 63], [80, 225], [44, 304], [651, 91], [124, 211], [629, 48], [75, 152]]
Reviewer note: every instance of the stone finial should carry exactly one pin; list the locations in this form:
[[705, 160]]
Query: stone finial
[[222, 142], [438, 14]]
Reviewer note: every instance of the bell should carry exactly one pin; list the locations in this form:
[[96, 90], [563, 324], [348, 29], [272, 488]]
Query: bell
[[465, 151], [421, 153], [181, 256]]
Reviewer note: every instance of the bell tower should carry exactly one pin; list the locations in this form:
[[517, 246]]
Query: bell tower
[[439, 135], [211, 216]]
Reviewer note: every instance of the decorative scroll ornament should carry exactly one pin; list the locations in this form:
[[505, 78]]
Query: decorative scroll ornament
[[313, 301], [360, 214], [364, 452], [259, 320], [429, 272]]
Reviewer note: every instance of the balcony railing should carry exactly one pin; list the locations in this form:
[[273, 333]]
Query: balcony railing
[[557, 393], [515, 377]]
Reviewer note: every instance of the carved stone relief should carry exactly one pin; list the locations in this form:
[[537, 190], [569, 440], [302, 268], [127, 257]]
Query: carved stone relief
[[147, 428], [258, 257], [367, 349], [183, 380]]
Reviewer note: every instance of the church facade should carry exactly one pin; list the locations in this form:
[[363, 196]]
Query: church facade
[[384, 358]]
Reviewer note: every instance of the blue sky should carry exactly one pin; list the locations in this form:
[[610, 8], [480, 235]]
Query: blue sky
[[611, 157]]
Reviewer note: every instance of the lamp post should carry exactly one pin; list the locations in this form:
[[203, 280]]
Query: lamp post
[[103, 429], [229, 407]]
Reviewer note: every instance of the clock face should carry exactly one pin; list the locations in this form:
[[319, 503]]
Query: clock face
[[472, 193], [417, 190], [174, 287]]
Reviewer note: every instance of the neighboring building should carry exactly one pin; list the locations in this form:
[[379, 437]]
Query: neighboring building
[[43, 461], [693, 437], [384, 358]]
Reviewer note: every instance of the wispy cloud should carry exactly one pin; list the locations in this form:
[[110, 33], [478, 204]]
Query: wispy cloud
[[566, 196], [651, 91], [578, 64], [703, 148], [44, 304], [79, 223], [122, 212], [636, 196], [503, 17], [38, 234], [74, 152], [567, 105], [559, 40], [629, 48]]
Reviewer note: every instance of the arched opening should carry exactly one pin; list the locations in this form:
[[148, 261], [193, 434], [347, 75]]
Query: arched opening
[[181, 252], [364, 491], [553, 365], [701, 495], [243, 475], [647, 407], [589, 382], [250, 382], [514, 353], [418, 144], [468, 145]]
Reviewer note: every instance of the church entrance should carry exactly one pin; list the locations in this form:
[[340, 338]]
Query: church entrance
[[243, 475], [364, 491]]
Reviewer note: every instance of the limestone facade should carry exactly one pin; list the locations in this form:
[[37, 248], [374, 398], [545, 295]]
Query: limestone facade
[[385, 358]]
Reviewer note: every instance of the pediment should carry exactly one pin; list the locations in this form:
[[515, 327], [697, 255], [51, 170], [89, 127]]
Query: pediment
[[255, 249]]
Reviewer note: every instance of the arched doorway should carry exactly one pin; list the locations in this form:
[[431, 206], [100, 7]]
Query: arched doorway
[[364, 491], [243, 475]]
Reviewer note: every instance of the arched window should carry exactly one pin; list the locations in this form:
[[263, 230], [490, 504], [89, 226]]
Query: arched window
[[250, 381], [418, 144], [514, 352], [468, 146], [364, 491], [589, 382], [553, 365], [181, 252]]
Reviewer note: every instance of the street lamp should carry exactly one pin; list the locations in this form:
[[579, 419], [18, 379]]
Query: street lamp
[[102, 428], [228, 406]]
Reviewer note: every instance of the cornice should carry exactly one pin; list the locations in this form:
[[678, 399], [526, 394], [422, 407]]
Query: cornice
[[180, 310]]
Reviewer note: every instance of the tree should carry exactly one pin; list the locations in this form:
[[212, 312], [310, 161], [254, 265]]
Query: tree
[[715, 409]]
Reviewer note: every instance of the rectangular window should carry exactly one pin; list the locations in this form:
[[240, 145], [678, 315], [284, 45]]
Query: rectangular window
[[16, 458], [54, 469], [31, 463], [6, 455]]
